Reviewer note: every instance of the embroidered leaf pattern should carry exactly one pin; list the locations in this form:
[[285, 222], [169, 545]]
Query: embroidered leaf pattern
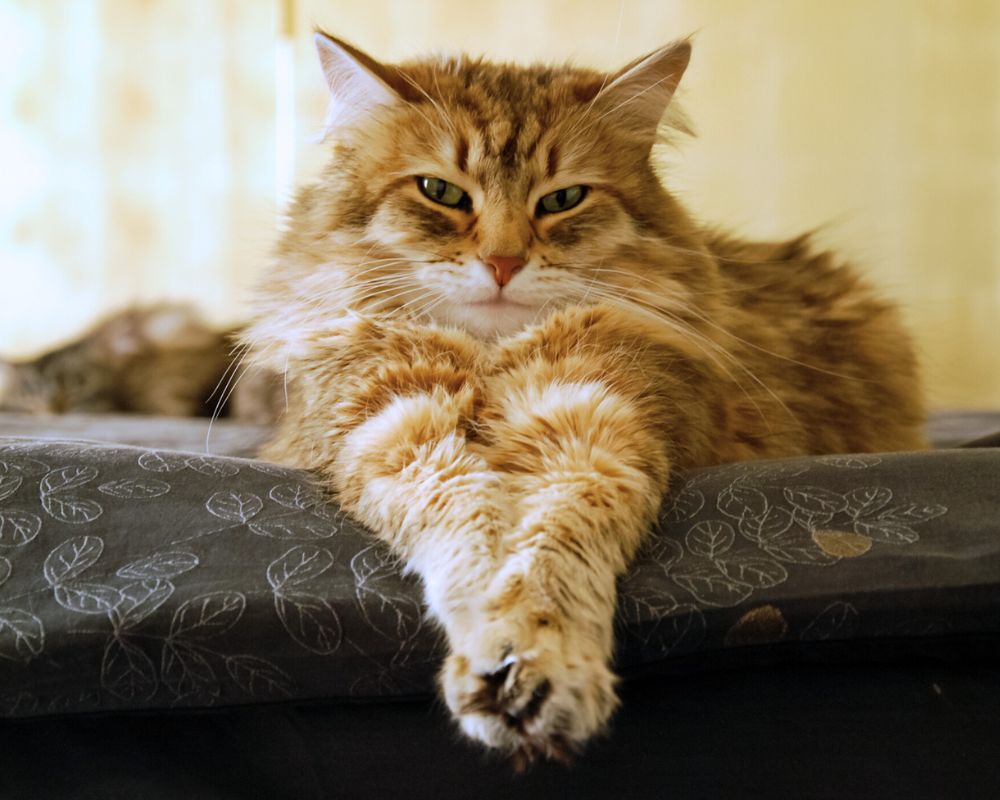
[[135, 488], [298, 529], [761, 573], [838, 620], [114, 593], [661, 624], [159, 565], [710, 538], [297, 566], [382, 598], [212, 467], [138, 601], [186, 672], [72, 510], [258, 677], [738, 501], [127, 672], [155, 461], [72, 558], [17, 528], [22, 635], [711, 586], [233, 506], [87, 598], [294, 495], [66, 479], [208, 615], [309, 620], [10, 481]]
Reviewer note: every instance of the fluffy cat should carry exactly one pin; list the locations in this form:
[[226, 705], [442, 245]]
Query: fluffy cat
[[503, 336], [159, 360]]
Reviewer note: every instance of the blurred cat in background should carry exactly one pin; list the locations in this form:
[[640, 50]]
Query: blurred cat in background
[[158, 360]]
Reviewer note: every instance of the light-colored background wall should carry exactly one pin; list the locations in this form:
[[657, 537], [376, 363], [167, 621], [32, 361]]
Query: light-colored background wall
[[145, 145]]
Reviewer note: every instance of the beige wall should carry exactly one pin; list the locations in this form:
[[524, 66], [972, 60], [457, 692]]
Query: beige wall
[[142, 150]]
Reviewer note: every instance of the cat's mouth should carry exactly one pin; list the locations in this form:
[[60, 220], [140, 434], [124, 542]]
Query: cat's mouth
[[498, 302]]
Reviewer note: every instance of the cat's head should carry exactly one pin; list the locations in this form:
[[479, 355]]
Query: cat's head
[[482, 194]]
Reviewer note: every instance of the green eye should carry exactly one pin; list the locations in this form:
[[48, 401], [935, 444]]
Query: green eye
[[562, 200], [447, 194]]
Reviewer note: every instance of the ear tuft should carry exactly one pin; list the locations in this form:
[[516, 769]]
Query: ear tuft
[[356, 86], [641, 91]]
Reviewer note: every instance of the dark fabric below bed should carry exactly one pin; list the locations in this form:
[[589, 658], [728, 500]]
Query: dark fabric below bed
[[922, 730]]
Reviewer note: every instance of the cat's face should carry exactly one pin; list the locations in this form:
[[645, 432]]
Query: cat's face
[[482, 195]]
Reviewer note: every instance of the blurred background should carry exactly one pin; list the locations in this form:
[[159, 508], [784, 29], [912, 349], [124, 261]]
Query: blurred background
[[147, 147]]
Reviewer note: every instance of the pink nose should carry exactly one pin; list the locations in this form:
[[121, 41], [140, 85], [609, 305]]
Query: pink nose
[[504, 267]]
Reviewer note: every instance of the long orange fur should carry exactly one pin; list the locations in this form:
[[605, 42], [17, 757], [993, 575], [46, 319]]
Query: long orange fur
[[512, 445]]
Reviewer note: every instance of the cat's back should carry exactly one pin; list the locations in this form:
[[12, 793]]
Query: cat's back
[[816, 332]]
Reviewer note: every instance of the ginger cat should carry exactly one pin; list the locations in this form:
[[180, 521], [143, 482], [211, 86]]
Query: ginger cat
[[503, 336]]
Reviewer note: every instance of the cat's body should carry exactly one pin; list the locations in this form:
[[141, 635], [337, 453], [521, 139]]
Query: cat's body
[[503, 337], [160, 359]]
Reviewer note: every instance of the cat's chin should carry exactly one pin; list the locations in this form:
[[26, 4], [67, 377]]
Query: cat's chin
[[489, 319]]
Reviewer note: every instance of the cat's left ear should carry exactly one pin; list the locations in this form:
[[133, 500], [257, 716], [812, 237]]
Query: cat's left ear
[[641, 91], [358, 84]]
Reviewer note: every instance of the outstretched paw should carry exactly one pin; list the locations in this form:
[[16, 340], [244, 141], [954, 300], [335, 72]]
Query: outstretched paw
[[527, 687]]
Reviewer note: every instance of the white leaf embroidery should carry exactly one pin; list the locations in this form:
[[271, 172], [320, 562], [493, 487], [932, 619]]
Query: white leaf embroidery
[[298, 565], [815, 500], [738, 501], [293, 496], [126, 671], [10, 482], [258, 677], [799, 550], [138, 601], [135, 488], [208, 615], [839, 620], [382, 600], [186, 672], [294, 528], [211, 466], [867, 500], [851, 462], [71, 558], [159, 565], [773, 524], [65, 479], [87, 598], [761, 573], [710, 538], [71, 510], [685, 505], [234, 506], [22, 635], [17, 528], [309, 620], [155, 461], [712, 587]]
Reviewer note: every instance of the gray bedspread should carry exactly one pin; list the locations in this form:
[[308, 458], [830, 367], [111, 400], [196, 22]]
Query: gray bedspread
[[139, 578]]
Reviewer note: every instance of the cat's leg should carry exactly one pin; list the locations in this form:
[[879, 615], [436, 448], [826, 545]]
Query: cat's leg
[[385, 412], [582, 440]]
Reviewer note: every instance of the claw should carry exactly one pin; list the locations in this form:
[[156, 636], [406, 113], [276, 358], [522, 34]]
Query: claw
[[531, 708], [499, 677]]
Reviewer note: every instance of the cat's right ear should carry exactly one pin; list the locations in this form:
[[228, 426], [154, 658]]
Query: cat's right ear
[[358, 83], [640, 93]]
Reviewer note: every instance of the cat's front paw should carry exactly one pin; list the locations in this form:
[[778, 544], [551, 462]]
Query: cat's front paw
[[529, 687]]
